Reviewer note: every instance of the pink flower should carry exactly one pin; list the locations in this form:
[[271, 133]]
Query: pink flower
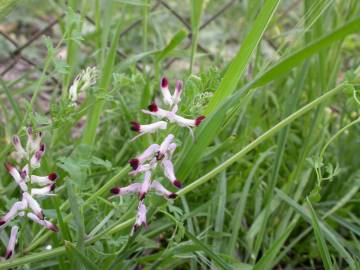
[[164, 147], [45, 191], [162, 190], [140, 217], [14, 211], [34, 205], [17, 177], [119, 191], [146, 155], [12, 241], [169, 173], [44, 180], [43, 222], [145, 185], [164, 86], [145, 129]]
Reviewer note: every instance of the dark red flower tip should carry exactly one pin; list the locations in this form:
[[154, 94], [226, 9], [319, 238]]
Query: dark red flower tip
[[134, 163], [177, 183], [42, 147], [40, 215], [29, 130], [179, 85], [199, 120], [15, 139], [52, 187], [38, 155], [142, 195], [136, 227], [53, 176], [153, 107], [115, 190], [135, 126], [8, 254], [159, 156], [2, 222], [8, 166], [54, 228], [172, 195], [23, 174], [164, 82]]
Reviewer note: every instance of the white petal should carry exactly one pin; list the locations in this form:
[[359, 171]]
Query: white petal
[[12, 241], [34, 205]]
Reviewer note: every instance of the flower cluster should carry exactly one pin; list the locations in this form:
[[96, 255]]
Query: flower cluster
[[83, 81], [157, 155], [29, 186], [170, 115]]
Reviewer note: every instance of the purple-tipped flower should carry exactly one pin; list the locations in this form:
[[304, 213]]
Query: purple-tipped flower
[[169, 173], [14, 210], [146, 155], [145, 129], [164, 147], [119, 191], [20, 151], [34, 205], [34, 150], [17, 176], [141, 216], [44, 180], [145, 185], [162, 190], [164, 86], [44, 191], [43, 222], [155, 154], [12, 241]]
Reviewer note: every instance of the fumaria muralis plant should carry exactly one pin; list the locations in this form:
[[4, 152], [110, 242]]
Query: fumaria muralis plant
[[28, 206], [156, 154]]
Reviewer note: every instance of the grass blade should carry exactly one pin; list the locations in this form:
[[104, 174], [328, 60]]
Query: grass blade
[[324, 251], [239, 63], [216, 258]]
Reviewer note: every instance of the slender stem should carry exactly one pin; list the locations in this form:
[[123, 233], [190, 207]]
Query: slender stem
[[260, 139]]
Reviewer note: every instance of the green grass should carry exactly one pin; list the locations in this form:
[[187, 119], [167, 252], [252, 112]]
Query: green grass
[[271, 180]]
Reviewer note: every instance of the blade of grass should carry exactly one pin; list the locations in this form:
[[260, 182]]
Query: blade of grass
[[11, 100], [86, 262], [216, 258], [242, 58], [267, 259], [327, 233], [203, 179], [104, 84], [196, 10], [207, 131], [323, 249]]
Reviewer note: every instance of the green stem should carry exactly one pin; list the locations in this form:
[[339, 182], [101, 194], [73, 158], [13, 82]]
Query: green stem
[[260, 139]]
